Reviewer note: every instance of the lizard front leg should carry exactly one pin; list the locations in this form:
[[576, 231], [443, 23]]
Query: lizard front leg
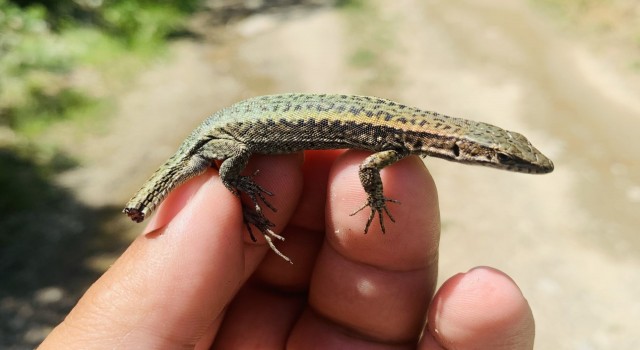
[[372, 184]]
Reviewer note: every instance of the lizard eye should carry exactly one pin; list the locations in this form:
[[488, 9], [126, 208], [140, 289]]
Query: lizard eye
[[456, 150], [503, 158]]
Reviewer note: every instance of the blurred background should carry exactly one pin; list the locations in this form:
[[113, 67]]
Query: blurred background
[[95, 94]]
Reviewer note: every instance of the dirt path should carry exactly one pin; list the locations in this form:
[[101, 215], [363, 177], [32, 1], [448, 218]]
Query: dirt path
[[569, 239]]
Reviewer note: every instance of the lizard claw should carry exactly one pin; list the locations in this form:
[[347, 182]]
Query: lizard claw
[[377, 205], [256, 218], [246, 184], [264, 225]]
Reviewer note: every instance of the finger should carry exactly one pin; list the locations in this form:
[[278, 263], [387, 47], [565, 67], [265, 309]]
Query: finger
[[377, 286], [271, 303], [277, 174], [171, 284], [280, 175], [305, 231], [480, 309]]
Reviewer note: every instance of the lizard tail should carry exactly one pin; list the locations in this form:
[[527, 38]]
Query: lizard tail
[[170, 175]]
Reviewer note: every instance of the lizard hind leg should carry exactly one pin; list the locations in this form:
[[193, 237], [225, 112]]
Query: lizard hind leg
[[230, 169], [255, 192], [255, 216]]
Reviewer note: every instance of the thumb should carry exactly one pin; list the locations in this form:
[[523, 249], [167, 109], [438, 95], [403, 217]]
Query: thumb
[[480, 309], [171, 284]]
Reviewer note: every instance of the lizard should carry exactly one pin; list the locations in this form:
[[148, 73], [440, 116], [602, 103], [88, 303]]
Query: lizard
[[288, 123]]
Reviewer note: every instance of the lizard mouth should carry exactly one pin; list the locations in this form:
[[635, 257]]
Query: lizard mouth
[[542, 164]]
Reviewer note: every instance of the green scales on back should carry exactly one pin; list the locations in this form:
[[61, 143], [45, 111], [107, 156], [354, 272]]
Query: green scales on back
[[287, 123]]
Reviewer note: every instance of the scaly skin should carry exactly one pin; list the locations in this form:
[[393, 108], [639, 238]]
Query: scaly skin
[[279, 124]]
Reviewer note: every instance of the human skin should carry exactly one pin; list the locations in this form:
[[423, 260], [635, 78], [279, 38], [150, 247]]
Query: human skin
[[194, 279]]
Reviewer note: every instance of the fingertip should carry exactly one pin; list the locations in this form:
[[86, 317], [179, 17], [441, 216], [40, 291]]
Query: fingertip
[[305, 231], [181, 198], [378, 285], [410, 241], [481, 309], [281, 175]]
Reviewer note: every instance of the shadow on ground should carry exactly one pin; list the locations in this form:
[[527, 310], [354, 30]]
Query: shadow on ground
[[47, 239]]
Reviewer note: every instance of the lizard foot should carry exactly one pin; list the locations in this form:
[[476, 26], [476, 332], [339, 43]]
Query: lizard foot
[[255, 192], [378, 205], [263, 224]]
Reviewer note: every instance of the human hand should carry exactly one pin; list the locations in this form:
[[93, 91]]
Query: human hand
[[195, 278]]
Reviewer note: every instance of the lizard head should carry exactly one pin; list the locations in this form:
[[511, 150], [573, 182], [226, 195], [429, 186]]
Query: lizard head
[[492, 146]]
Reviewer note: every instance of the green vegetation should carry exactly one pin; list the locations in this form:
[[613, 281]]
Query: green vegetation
[[60, 63], [43, 43], [350, 4]]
